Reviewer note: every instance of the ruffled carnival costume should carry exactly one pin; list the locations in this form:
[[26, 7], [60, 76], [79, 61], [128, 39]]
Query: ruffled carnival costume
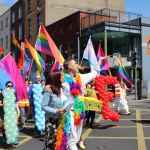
[[79, 112]]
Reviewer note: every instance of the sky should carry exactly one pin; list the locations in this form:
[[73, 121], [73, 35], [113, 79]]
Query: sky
[[7, 2], [137, 6]]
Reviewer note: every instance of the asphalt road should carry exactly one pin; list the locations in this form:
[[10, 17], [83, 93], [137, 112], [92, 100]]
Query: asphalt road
[[131, 133]]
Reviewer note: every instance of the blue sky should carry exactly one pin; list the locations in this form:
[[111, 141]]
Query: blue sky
[[138, 6], [7, 2]]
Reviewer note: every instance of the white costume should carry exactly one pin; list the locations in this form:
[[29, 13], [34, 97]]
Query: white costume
[[123, 105], [76, 131]]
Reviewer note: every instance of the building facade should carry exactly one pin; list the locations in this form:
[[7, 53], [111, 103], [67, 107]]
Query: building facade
[[17, 24], [5, 30], [34, 16], [146, 51], [58, 9]]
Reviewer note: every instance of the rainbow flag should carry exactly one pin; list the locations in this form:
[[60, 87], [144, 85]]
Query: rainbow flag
[[122, 71], [18, 47], [1, 51], [46, 45], [27, 65], [36, 57]]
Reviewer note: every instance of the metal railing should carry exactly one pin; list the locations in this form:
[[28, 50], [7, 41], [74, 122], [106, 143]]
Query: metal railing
[[110, 16]]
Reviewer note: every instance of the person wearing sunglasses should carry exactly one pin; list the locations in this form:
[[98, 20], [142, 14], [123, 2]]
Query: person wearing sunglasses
[[9, 93]]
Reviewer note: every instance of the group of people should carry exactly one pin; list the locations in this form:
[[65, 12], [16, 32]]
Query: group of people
[[58, 106]]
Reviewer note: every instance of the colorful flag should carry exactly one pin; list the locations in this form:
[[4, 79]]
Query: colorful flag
[[27, 65], [36, 57], [18, 48], [1, 50], [122, 71], [8, 65], [46, 45], [3, 79], [89, 54], [104, 64]]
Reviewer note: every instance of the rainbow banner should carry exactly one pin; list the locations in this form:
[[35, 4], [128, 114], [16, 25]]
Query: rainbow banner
[[122, 71], [18, 48], [46, 45], [36, 57]]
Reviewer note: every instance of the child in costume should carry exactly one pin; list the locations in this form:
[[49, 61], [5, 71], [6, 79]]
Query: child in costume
[[123, 105]]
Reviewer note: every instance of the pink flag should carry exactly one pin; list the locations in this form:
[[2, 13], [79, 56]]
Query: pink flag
[[9, 66], [104, 64]]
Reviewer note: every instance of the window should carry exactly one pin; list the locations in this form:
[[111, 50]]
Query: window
[[1, 42], [13, 32], [29, 27], [1, 25], [6, 22], [29, 6], [38, 21], [70, 46], [38, 3], [6, 42], [20, 32], [13, 17], [20, 12]]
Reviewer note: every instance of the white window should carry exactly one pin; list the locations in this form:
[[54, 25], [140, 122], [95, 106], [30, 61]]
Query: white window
[[20, 32], [13, 32], [13, 17], [6, 42], [6, 21], [1, 25], [20, 12], [1, 42]]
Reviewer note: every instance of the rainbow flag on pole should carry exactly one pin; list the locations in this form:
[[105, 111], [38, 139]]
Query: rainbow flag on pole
[[122, 71], [18, 47], [46, 45], [36, 57]]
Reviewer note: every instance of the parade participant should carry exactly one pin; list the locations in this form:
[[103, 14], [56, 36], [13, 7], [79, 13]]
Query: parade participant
[[73, 87], [90, 115], [52, 104], [10, 114], [123, 105], [35, 96], [2, 116]]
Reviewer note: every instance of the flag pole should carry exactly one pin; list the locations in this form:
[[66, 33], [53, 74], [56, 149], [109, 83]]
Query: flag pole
[[30, 69]]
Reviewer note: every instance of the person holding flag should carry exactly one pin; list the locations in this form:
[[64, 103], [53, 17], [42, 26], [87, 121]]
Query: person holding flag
[[73, 87]]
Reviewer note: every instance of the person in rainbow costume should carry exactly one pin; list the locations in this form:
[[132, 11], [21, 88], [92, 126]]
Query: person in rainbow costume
[[73, 89]]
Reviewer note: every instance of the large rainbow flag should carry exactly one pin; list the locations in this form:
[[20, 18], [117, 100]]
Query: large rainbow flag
[[122, 72], [36, 57], [46, 45], [18, 48]]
